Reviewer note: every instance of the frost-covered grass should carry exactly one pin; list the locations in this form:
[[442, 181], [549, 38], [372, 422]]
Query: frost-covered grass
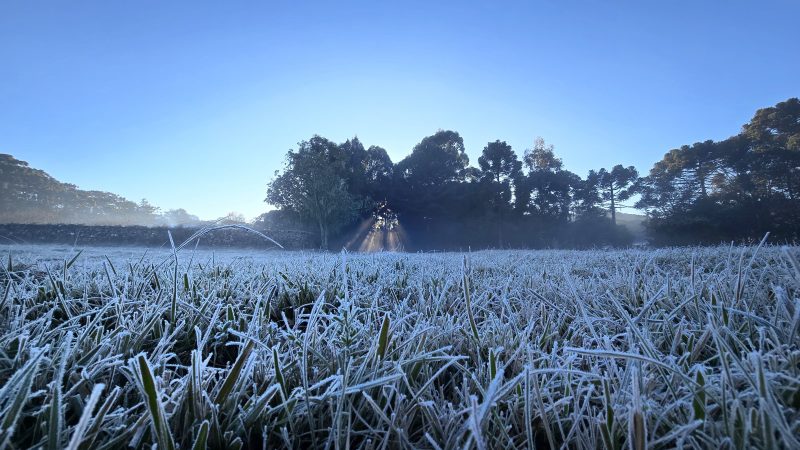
[[614, 349]]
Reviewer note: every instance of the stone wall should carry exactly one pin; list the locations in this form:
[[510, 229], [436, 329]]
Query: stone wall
[[91, 235]]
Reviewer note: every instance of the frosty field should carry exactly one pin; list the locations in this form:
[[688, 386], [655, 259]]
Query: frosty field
[[691, 348]]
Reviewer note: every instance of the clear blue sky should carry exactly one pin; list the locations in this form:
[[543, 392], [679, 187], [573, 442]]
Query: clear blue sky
[[195, 105]]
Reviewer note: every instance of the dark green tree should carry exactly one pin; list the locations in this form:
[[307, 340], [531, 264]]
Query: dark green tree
[[546, 192], [423, 190], [738, 188], [312, 184], [499, 162], [436, 160], [685, 175], [773, 138], [499, 166], [615, 185], [378, 168]]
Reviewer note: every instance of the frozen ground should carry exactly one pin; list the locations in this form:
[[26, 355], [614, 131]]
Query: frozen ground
[[615, 349]]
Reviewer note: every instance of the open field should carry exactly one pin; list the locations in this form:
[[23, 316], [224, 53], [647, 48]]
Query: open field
[[513, 349]]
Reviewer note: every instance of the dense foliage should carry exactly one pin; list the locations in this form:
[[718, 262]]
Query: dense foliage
[[709, 192], [741, 187], [696, 347]]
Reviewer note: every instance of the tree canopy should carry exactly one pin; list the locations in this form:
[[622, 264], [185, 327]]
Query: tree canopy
[[315, 184], [738, 188], [708, 191]]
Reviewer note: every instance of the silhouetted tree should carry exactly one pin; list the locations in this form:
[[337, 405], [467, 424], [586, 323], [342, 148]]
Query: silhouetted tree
[[378, 168], [738, 188], [312, 184], [546, 192], [615, 185], [351, 157], [436, 160], [773, 136], [685, 175], [499, 162], [499, 165], [424, 190]]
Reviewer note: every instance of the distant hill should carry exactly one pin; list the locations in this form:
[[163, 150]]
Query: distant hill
[[635, 224], [29, 195]]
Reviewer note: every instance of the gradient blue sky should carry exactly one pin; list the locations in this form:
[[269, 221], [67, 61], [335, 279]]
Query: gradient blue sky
[[195, 104]]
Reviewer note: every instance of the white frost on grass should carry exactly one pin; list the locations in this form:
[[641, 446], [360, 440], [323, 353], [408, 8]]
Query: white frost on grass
[[695, 347]]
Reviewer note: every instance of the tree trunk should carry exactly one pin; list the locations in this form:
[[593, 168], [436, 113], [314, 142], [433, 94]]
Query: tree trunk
[[613, 207], [323, 235], [500, 230], [500, 223], [701, 175]]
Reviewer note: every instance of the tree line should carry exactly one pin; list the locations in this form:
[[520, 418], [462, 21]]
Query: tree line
[[735, 189], [707, 192], [29, 195]]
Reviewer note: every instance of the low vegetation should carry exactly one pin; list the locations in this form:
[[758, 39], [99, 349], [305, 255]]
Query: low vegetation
[[696, 347]]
